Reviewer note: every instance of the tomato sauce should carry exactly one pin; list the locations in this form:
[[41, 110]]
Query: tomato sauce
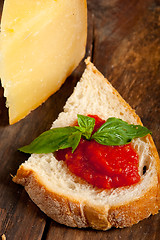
[[102, 166]]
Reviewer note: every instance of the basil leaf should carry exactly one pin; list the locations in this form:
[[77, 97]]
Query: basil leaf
[[113, 132], [74, 140], [86, 125], [54, 139], [118, 132]]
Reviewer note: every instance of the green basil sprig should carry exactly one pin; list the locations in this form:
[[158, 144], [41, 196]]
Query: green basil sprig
[[60, 138], [118, 132], [113, 132], [86, 125]]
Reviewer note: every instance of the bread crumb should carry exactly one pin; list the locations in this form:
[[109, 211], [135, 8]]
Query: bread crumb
[[3, 237]]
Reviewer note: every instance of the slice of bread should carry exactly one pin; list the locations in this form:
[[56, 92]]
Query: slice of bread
[[70, 200]]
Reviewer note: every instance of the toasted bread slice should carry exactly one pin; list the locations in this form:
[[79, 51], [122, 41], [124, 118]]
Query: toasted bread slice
[[70, 200]]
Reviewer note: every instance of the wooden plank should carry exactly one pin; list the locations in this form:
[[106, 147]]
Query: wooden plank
[[123, 42], [142, 231]]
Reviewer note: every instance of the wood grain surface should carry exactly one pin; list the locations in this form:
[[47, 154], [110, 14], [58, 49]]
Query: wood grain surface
[[124, 44]]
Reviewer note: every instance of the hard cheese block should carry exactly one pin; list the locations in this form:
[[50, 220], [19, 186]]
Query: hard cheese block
[[41, 44]]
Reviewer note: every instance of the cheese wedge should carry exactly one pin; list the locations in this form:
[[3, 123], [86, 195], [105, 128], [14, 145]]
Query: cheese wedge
[[41, 44]]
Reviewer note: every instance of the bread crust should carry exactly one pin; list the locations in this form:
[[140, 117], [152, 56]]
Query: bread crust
[[74, 213]]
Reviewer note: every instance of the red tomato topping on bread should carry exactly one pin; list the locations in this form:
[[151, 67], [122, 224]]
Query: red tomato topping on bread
[[100, 165]]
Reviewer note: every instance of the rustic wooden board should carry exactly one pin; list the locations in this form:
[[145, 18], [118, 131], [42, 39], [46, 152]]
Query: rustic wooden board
[[124, 44]]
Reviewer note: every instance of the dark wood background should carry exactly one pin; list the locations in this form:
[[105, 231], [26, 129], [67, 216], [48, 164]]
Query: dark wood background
[[124, 44]]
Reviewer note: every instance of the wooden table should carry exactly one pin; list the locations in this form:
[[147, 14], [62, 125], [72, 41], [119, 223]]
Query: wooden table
[[124, 44]]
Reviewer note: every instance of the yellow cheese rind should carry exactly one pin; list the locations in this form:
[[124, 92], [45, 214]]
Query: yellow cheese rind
[[42, 42]]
